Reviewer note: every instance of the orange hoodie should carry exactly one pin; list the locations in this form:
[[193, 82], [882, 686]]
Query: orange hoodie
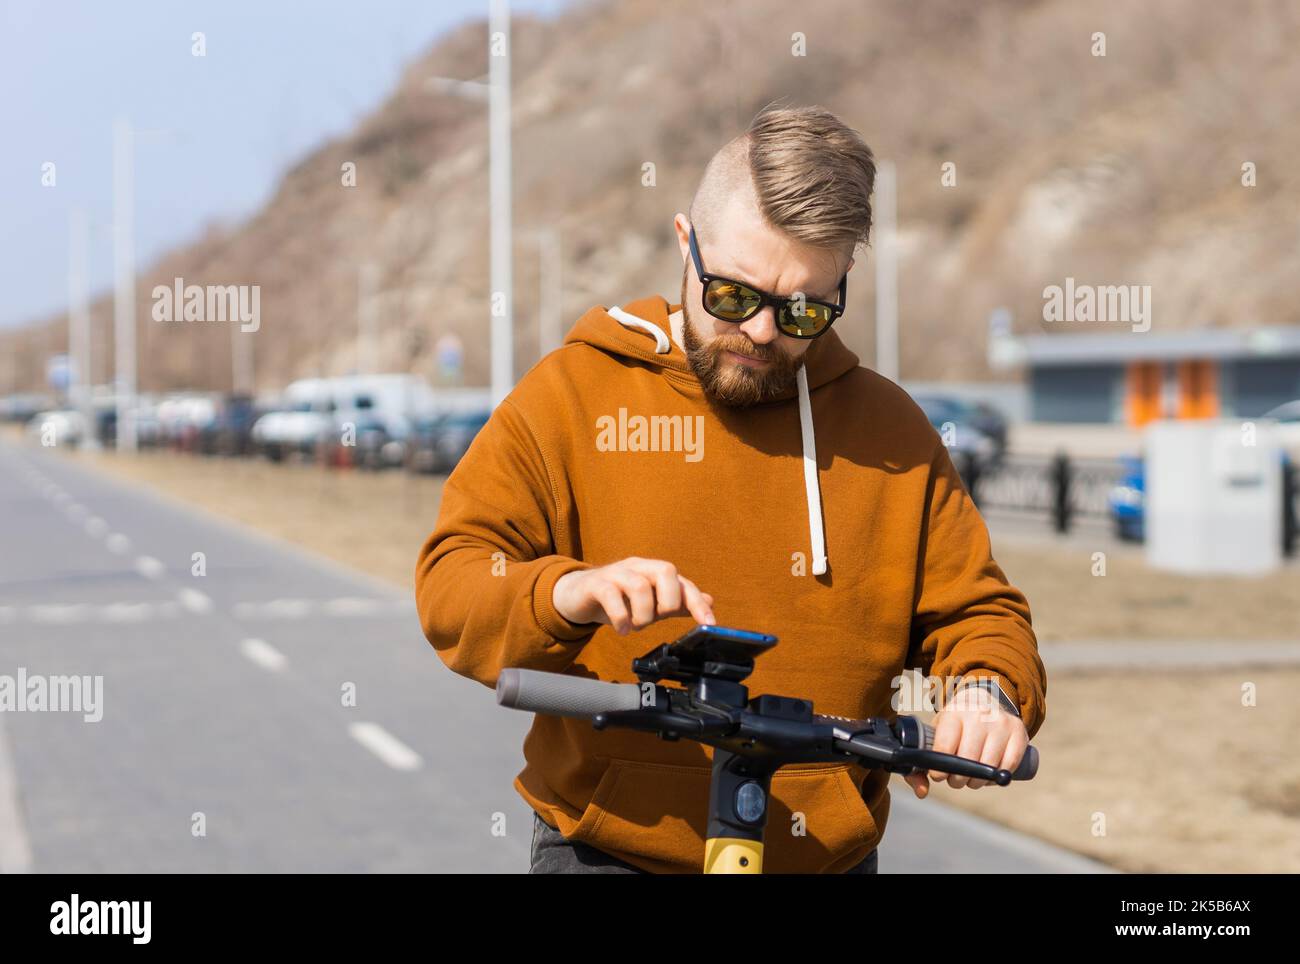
[[831, 518]]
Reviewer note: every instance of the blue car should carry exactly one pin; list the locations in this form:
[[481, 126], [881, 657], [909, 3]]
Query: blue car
[[1127, 499]]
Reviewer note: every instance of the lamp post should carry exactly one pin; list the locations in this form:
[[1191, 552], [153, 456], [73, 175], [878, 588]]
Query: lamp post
[[124, 282], [497, 93], [887, 271]]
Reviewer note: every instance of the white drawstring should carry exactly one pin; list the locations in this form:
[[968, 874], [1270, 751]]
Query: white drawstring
[[662, 344], [812, 490]]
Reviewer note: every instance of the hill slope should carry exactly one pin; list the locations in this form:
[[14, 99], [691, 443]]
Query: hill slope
[[1122, 169]]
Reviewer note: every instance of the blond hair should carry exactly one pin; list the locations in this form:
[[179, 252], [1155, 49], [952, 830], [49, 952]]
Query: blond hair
[[810, 174]]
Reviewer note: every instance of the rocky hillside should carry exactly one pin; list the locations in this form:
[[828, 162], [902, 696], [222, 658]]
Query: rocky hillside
[[1116, 169]]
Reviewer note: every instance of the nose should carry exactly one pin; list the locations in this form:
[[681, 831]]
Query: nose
[[761, 329]]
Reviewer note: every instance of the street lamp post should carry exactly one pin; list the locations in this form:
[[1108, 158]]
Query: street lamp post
[[79, 327], [503, 328], [500, 217], [124, 283], [887, 270]]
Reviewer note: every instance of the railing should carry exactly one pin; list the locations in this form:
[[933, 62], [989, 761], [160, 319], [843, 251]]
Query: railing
[[1059, 486], [1065, 488]]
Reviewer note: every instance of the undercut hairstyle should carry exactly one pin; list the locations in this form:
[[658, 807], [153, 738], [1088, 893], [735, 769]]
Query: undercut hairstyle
[[809, 173]]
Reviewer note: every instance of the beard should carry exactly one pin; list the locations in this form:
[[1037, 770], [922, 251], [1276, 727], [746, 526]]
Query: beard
[[731, 383]]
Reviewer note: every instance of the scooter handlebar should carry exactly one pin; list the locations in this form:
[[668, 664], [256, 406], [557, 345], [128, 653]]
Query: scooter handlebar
[[556, 694]]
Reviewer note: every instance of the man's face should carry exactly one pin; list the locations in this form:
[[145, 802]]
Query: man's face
[[753, 361]]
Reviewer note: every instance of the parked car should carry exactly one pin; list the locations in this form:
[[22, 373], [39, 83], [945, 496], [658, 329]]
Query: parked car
[[57, 427], [438, 444], [1127, 500], [297, 427], [979, 418], [972, 451], [376, 448], [23, 408], [230, 430], [992, 423]]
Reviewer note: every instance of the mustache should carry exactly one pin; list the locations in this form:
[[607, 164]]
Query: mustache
[[743, 346]]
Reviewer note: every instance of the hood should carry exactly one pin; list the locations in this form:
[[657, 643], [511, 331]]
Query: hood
[[641, 331]]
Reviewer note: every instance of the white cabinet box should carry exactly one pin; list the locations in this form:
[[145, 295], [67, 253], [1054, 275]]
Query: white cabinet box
[[1213, 496]]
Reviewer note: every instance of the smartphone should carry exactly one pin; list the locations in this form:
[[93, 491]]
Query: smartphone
[[721, 643]]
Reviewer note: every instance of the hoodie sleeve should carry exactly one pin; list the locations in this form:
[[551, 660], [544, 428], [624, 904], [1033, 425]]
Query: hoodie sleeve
[[484, 578], [968, 620]]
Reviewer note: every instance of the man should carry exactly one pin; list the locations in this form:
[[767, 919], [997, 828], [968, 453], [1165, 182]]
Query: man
[[726, 460]]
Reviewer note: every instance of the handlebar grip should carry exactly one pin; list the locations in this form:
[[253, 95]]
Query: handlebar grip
[[556, 694], [1027, 769]]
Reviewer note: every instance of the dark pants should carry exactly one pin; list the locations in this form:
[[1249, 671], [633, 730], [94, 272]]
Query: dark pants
[[552, 854]]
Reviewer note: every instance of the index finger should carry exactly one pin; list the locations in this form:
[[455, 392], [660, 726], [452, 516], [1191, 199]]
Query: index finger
[[697, 603]]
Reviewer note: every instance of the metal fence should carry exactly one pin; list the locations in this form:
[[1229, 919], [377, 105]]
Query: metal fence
[[1065, 489], [1060, 487]]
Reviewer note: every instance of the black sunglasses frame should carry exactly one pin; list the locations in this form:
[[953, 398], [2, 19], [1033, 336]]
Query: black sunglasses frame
[[778, 303]]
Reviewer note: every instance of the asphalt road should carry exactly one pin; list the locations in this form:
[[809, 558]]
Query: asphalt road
[[223, 709]]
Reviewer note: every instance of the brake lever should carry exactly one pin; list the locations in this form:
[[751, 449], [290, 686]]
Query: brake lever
[[950, 763]]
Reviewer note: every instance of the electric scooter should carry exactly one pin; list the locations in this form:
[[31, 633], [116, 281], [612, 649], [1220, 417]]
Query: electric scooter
[[752, 737]]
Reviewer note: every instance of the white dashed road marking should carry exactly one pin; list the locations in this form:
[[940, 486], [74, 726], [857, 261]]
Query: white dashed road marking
[[194, 601], [264, 654], [118, 544], [302, 608], [149, 567], [58, 613], [384, 745]]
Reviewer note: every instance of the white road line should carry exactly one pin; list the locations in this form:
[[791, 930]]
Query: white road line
[[288, 608], [136, 612], [264, 654], [149, 567], [76, 512], [384, 745], [194, 601], [118, 544], [96, 527], [352, 606], [59, 613], [302, 608], [15, 851]]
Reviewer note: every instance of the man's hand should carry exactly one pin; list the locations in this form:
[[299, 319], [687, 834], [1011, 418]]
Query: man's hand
[[974, 725], [630, 594]]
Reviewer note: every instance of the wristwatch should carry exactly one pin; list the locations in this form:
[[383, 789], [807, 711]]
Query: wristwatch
[[995, 688]]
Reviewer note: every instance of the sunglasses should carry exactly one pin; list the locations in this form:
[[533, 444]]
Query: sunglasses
[[729, 300]]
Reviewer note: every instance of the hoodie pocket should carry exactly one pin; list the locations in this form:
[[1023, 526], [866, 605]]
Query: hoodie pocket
[[817, 821], [656, 815], [651, 813]]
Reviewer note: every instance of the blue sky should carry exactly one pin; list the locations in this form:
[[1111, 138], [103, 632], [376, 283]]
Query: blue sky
[[277, 79]]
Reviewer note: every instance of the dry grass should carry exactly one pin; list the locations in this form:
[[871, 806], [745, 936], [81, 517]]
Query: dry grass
[[1186, 777], [1133, 601]]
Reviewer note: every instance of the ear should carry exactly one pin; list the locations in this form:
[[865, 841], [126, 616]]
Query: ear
[[850, 267], [682, 225]]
